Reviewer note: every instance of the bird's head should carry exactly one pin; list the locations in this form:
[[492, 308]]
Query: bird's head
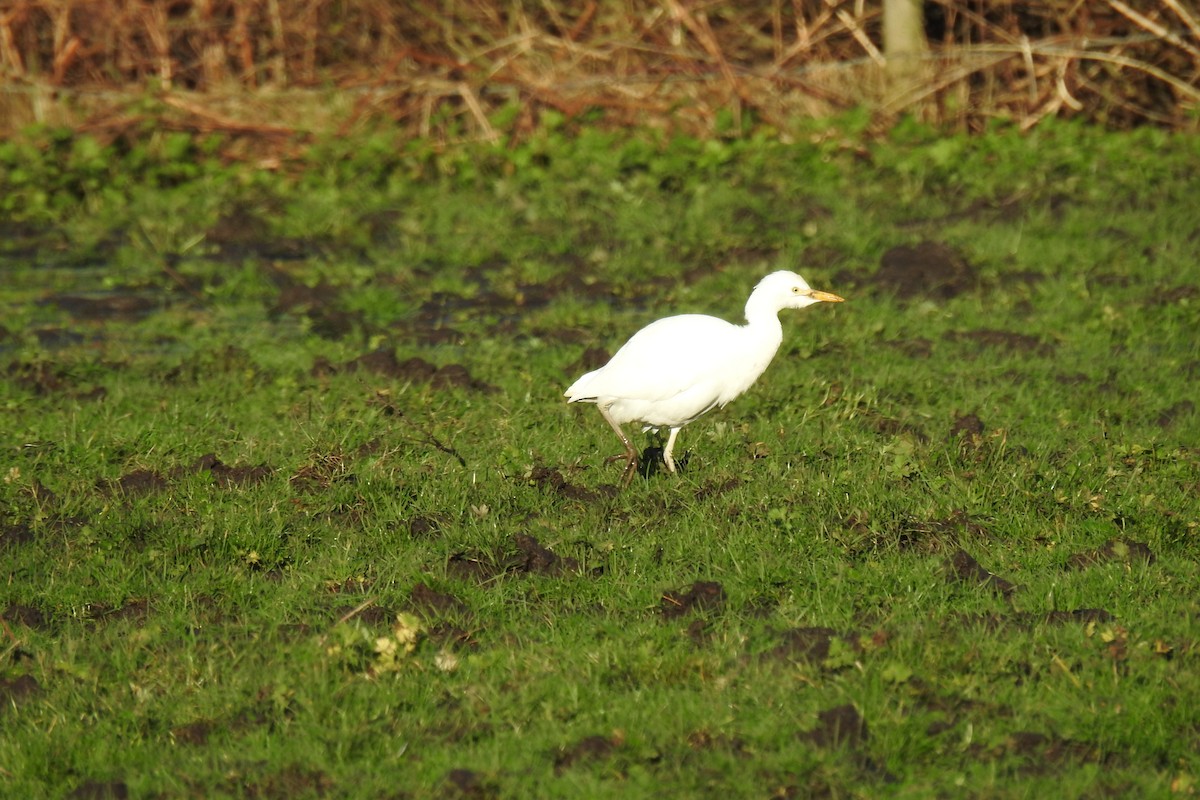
[[785, 289]]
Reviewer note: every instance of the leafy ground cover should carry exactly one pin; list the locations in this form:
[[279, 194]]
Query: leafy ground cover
[[292, 505]]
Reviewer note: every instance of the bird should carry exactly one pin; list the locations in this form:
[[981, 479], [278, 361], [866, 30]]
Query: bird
[[678, 368]]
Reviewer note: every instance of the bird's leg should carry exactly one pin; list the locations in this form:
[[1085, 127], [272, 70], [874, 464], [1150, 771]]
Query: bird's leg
[[631, 459], [670, 462]]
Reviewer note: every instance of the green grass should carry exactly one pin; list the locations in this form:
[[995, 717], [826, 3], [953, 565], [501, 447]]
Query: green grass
[[213, 630]]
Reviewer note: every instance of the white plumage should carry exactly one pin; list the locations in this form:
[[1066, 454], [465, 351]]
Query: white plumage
[[677, 368]]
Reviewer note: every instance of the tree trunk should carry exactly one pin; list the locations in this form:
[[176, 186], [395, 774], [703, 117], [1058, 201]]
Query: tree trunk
[[905, 47]]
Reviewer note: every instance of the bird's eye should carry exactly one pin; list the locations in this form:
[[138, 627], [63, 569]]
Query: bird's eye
[[795, 290]]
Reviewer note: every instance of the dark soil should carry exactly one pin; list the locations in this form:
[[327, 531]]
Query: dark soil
[[840, 726], [524, 555], [961, 567], [1123, 550], [929, 270], [701, 597], [590, 748]]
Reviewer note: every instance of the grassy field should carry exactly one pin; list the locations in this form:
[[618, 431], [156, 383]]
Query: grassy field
[[293, 506]]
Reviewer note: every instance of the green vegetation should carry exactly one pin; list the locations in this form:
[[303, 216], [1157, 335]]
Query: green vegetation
[[292, 505]]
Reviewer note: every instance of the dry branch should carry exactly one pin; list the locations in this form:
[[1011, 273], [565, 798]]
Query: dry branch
[[444, 69]]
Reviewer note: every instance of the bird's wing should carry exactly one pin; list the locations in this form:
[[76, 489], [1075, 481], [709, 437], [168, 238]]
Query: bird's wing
[[664, 359]]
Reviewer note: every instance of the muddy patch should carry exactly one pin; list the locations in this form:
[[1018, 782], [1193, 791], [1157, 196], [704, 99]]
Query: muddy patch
[[430, 603], [702, 597], [467, 783], [142, 481], [294, 780], [136, 611], [42, 379], [1125, 551], [968, 429], [587, 749], [194, 733], [523, 555], [840, 726], [551, 480], [809, 644], [15, 535], [962, 568], [426, 526], [137, 482], [929, 270], [16, 690], [25, 615], [319, 305], [910, 534]]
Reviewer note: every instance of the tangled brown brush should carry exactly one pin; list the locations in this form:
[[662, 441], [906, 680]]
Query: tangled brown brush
[[490, 69]]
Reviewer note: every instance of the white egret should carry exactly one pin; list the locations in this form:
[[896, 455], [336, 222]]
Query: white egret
[[677, 368]]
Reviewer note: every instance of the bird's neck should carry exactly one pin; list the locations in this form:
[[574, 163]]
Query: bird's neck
[[762, 324]]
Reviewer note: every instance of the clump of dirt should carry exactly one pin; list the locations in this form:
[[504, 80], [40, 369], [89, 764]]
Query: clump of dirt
[[532, 558], [715, 488], [706, 740], [551, 480], [962, 567], [524, 556], [15, 534], [42, 378], [469, 784], [136, 611], [29, 616], [589, 748], [320, 473], [294, 780], [137, 482], [193, 733], [426, 526], [840, 726], [1121, 549], [968, 429], [702, 597], [928, 270], [14, 690], [809, 644], [225, 476], [894, 427], [431, 603], [937, 535], [319, 305]]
